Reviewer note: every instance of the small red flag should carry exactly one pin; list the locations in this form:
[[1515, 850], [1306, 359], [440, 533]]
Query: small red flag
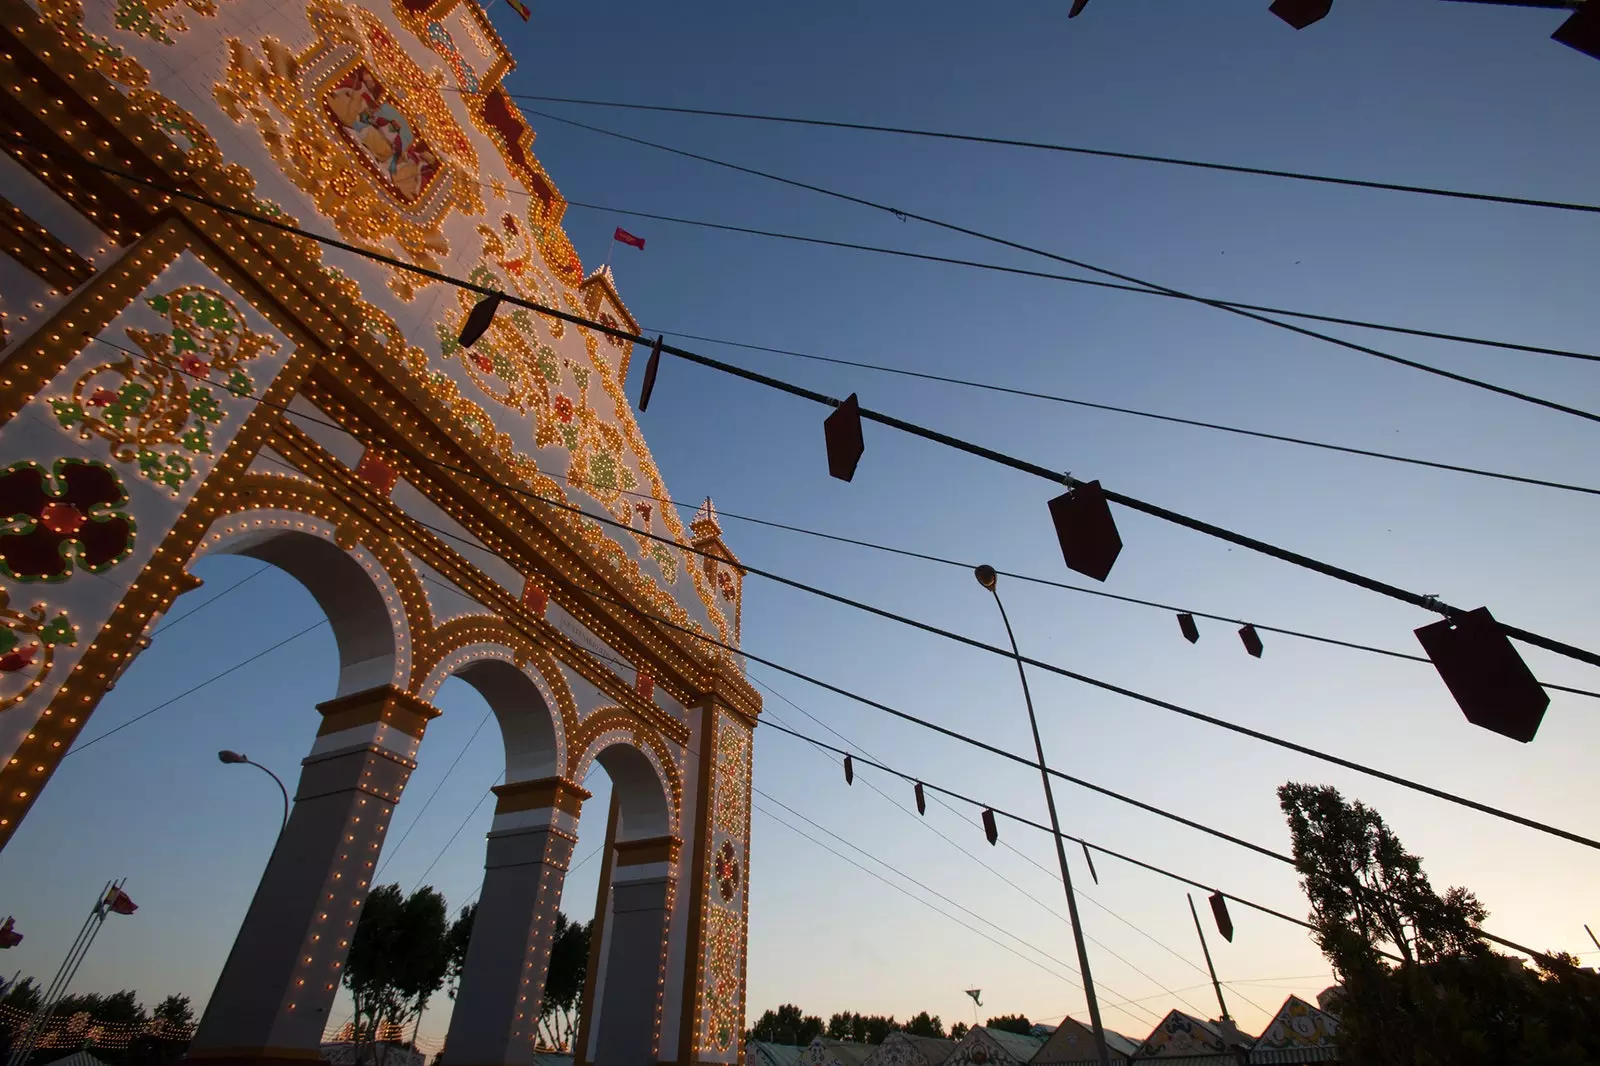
[[9, 937], [118, 901], [522, 9], [627, 238]]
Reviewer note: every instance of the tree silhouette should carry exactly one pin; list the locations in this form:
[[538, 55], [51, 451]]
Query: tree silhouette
[[1011, 1023], [1448, 998], [922, 1025], [398, 958]]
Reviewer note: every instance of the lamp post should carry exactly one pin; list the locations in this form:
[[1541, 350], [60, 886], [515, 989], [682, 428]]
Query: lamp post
[[990, 580], [234, 758]]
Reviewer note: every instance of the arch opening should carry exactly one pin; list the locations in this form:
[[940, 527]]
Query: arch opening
[[527, 721], [346, 591]]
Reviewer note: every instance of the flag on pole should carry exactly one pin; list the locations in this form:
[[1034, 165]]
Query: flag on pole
[[977, 995], [9, 937], [627, 238], [522, 9], [118, 901]]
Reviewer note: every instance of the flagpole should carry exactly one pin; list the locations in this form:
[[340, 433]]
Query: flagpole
[[609, 249], [58, 985]]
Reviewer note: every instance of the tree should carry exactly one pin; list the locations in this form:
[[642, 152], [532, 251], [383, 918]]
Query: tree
[[23, 995], [1011, 1023], [398, 958], [456, 942], [563, 983], [1367, 893], [1418, 985], [786, 1025], [175, 1012], [958, 1030], [922, 1025], [861, 1028]]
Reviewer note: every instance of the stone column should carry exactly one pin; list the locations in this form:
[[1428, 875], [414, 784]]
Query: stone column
[[627, 1009], [496, 1015], [272, 1000]]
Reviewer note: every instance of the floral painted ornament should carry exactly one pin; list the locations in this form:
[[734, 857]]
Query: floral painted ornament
[[28, 640], [726, 869], [45, 528]]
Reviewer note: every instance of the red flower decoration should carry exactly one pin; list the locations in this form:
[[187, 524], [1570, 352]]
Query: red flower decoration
[[196, 367], [101, 398], [563, 409], [42, 531], [20, 659], [726, 869], [483, 362]]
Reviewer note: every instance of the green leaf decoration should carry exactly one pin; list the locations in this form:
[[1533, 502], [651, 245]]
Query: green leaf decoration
[[160, 304], [197, 439], [549, 365], [8, 640], [240, 383], [59, 631], [149, 464], [68, 412], [203, 403]]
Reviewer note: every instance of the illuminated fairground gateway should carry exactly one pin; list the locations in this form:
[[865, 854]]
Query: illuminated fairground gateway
[[178, 382]]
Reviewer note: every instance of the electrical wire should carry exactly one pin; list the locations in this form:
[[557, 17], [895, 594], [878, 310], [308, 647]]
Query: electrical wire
[[1048, 582], [1154, 416], [946, 899], [213, 679], [1054, 876], [1084, 265], [391, 852], [429, 869], [1427, 602], [169, 623], [944, 135], [935, 630], [771, 715], [978, 264]]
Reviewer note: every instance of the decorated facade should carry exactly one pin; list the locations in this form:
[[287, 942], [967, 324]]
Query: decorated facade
[[1181, 1036], [181, 377], [983, 1046], [1073, 1042], [903, 1049], [1299, 1033]]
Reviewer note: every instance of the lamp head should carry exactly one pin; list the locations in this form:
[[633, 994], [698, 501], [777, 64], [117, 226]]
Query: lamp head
[[986, 576], [232, 757]]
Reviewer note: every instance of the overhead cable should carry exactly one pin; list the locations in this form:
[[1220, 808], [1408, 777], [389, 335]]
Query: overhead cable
[[1430, 603], [1197, 423], [1106, 153], [925, 627], [1084, 265]]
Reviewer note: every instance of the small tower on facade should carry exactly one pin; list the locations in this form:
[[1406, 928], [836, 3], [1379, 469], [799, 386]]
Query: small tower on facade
[[722, 568]]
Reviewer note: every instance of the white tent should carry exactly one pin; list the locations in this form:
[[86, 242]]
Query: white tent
[[903, 1049], [994, 1047]]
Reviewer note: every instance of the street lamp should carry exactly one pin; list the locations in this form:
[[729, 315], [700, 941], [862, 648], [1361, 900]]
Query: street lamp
[[989, 579], [234, 758]]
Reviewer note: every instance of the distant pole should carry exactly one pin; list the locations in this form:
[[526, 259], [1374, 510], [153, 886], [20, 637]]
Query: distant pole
[[989, 579], [1215, 984], [1586, 929], [29, 1039]]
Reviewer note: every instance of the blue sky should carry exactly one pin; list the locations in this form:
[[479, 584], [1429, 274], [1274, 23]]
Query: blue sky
[[1414, 91]]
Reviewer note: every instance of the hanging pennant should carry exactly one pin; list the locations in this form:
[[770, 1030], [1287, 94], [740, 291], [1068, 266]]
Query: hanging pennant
[[1252, 640], [1581, 31], [1090, 860], [990, 830], [478, 320], [1086, 531], [922, 802], [1301, 13], [1488, 679], [1191, 632], [849, 771], [650, 369], [842, 431], [1219, 911]]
